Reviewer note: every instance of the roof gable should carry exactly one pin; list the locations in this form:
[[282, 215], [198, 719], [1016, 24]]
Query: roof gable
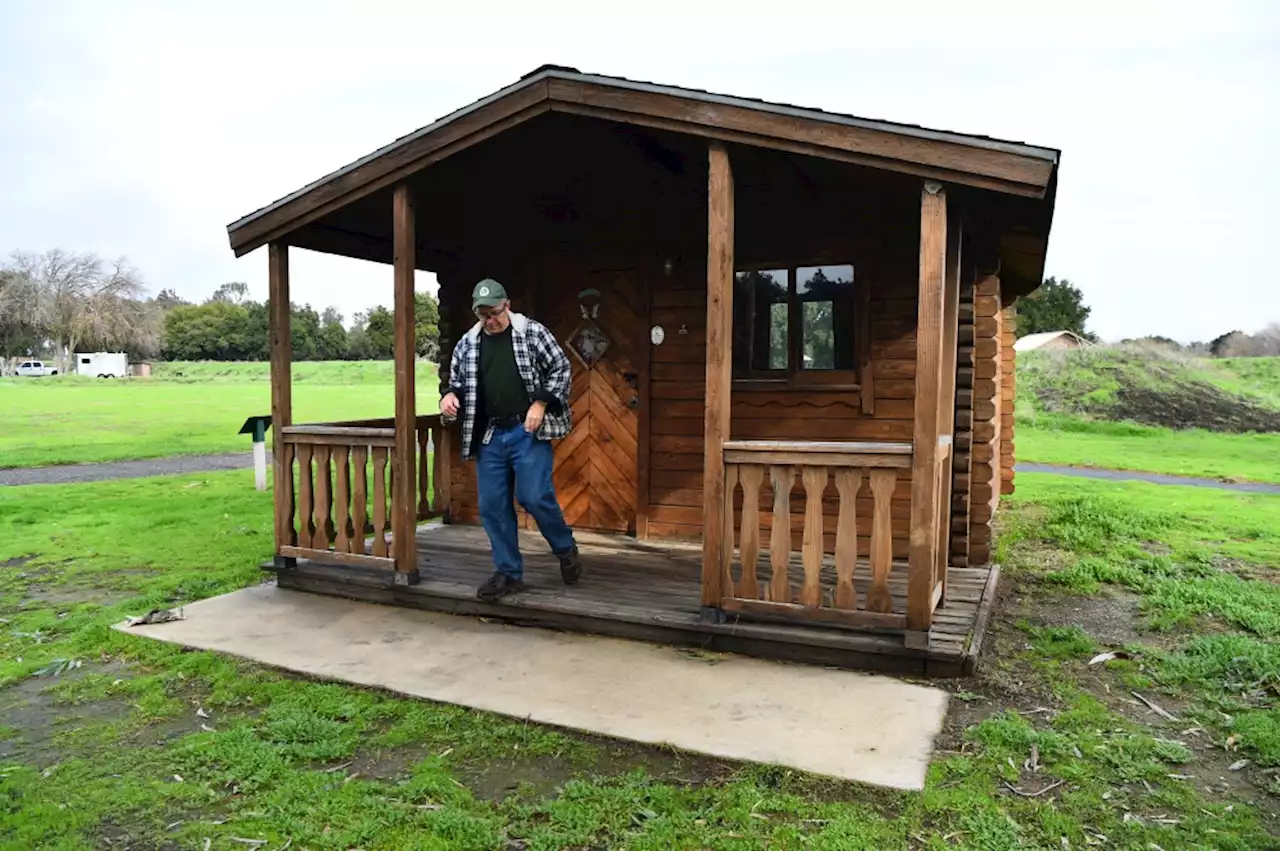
[[1001, 166]]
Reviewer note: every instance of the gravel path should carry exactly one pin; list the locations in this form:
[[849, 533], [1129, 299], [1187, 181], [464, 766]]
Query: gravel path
[[125, 469], [1153, 478]]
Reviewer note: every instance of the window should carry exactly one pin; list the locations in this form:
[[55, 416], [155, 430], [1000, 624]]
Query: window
[[791, 321], [760, 326]]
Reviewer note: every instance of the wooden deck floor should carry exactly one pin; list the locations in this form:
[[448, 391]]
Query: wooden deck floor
[[650, 591]]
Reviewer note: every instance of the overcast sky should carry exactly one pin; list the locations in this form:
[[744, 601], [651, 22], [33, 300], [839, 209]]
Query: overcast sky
[[143, 128]]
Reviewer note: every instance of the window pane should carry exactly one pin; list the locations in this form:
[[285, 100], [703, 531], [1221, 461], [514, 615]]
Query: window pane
[[760, 321], [826, 316]]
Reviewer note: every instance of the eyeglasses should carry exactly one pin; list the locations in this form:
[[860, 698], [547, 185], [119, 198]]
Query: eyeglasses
[[491, 314]]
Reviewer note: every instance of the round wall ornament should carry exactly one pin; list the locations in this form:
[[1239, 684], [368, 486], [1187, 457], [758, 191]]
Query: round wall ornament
[[657, 335]]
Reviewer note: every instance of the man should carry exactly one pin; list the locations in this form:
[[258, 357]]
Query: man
[[509, 378]]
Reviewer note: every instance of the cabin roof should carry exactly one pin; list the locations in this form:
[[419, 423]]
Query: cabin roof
[[1003, 166], [1035, 341]]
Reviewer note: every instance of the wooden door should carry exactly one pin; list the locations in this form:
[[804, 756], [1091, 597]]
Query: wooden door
[[596, 466]]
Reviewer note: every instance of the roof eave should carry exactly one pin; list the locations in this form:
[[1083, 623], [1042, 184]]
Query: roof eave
[[1045, 155]]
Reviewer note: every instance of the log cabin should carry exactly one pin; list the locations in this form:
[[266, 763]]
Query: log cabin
[[791, 336]]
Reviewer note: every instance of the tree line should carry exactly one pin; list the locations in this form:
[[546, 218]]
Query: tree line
[[57, 303], [1058, 305]]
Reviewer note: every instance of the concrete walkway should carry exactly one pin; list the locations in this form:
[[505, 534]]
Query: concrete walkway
[[61, 475], [1151, 478], [864, 727]]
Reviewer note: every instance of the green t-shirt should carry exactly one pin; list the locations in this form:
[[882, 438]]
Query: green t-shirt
[[502, 387]]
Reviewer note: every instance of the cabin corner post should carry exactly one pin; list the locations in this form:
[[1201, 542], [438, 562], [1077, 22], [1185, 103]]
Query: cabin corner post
[[404, 487], [928, 445], [281, 354], [716, 550], [950, 358]]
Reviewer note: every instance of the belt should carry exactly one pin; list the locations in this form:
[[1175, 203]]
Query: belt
[[507, 422]]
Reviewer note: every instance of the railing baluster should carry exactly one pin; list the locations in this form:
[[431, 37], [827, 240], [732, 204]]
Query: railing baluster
[[424, 481], [342, 503], [878, 597], [848, 480], [730, 485], [322, 535], [360, 497], [780, 534], [288, 505], [751, 476], [306, 505], [815, 482], [380, 501], [437, 451]]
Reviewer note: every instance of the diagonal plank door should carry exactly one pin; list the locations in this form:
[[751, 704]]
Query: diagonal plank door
[[596, 465]]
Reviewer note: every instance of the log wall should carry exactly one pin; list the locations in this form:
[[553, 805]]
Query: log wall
[[1008, 386], [988, 378]]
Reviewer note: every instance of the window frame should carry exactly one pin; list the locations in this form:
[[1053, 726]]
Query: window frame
[[794, 375]]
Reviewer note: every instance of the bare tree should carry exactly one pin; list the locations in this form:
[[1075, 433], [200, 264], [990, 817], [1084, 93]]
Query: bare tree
[[236, 292], [1266, 343], [19, 334], [79, 297]]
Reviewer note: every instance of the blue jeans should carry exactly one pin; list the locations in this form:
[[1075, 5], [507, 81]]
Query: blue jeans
[[515, 454]]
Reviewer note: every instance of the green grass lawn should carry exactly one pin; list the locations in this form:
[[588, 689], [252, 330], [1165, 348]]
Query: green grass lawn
[[185, 409], [118, 737], [1070, 407], [1129, 446]]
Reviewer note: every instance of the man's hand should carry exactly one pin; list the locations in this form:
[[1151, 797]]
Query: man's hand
[[533, 419], [449, 405]]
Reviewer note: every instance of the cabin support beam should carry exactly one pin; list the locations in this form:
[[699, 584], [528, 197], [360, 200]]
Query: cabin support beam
[[931, 447], [404, 495], [947, 400], [716, 550], [281, 353]]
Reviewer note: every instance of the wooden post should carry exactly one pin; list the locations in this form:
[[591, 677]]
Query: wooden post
[[947, 400], [922, 557], [281, 348], [404, 496], [715, 550]]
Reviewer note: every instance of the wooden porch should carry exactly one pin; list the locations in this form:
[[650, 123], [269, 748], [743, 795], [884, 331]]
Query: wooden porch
[[650, 591]]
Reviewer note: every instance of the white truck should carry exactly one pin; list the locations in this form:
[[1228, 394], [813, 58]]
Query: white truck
[[35, 368], [102, 364]]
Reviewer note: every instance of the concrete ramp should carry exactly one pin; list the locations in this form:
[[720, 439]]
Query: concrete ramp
[[862, 727]]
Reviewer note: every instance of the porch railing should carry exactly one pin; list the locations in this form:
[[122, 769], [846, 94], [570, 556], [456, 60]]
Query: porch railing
[[329, 510], [820, 596]]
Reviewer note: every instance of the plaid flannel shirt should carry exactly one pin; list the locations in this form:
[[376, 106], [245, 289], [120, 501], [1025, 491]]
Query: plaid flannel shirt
[[542, 364]]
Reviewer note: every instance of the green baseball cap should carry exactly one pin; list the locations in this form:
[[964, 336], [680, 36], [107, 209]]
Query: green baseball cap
[[488, 293]]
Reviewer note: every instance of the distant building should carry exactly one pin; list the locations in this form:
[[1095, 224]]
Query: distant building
[[1050, 341]]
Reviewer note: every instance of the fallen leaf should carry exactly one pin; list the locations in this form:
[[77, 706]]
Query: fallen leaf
[[1231, 742], [1108, 656], [1238, 764], [200, 713], [207, 728], [178, 778], [155, 616]]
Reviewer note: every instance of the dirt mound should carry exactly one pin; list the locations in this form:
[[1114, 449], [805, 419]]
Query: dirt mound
[[1192, 406], [1148, 386]]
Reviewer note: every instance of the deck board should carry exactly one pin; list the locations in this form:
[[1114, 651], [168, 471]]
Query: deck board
[[651, 590]]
